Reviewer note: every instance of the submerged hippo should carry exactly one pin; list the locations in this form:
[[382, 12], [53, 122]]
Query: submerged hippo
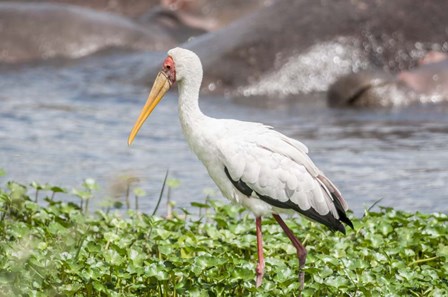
[[38, 31], [368, 89], [426, 83]]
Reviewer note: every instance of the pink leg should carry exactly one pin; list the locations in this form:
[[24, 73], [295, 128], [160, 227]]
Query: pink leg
[[260, 266], [301, 251]]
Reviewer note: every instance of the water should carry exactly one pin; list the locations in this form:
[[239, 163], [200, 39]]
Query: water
[[63, 122]]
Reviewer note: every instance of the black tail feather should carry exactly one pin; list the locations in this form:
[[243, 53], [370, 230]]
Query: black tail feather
[[341, 212]]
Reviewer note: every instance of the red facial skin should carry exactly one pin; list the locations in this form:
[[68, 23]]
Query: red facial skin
[[169, 69]]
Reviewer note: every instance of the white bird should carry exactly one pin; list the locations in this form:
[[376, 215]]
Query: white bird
[[252, 164]]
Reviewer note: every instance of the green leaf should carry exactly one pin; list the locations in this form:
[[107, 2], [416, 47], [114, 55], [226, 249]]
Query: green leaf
[[56, 189], [84, 195], [113, 257], [199, 205], [157, 271], [36, 185], [442, 250], [17, 191], [111, 237]]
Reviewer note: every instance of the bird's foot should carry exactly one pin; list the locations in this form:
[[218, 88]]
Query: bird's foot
[[302, 259], [260, 265], [301, 279], [259, 272]]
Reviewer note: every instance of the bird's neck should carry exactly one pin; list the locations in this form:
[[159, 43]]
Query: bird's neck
[[190, 115]]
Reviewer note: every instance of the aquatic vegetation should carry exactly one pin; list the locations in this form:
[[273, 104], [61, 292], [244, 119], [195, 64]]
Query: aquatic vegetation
[[57, 249]]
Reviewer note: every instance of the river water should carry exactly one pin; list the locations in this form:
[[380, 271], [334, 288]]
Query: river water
[[66, 121]]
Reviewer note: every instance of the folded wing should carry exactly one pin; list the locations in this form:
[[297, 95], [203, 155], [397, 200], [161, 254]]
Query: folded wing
[[264, 164]]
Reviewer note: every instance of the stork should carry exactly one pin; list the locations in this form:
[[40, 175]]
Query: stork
[[252, 164]]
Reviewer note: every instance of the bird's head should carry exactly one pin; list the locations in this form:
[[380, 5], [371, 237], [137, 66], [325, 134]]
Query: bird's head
[[177, 67], [187, 64]]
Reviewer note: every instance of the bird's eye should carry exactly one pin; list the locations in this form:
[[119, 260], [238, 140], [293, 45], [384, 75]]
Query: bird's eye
[[168, 67]]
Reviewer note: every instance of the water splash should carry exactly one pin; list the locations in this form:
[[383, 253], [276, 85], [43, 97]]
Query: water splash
[[313, 70]]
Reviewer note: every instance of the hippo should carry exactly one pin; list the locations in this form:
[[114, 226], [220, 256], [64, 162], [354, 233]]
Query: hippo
[[369, 88], [69, 31], [31, 31], [288, 47], [427, 83]]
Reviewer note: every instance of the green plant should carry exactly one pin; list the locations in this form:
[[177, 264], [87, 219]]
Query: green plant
[[86, 193], [57, 250]]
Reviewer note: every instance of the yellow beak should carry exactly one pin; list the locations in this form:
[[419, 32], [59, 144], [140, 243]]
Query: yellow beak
[[161, 85]]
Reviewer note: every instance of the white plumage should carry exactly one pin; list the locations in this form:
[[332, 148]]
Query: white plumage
[[268, 162], [251, 163]]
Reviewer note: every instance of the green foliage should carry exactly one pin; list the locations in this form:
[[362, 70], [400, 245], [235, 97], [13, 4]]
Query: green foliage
[[59, 250]]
